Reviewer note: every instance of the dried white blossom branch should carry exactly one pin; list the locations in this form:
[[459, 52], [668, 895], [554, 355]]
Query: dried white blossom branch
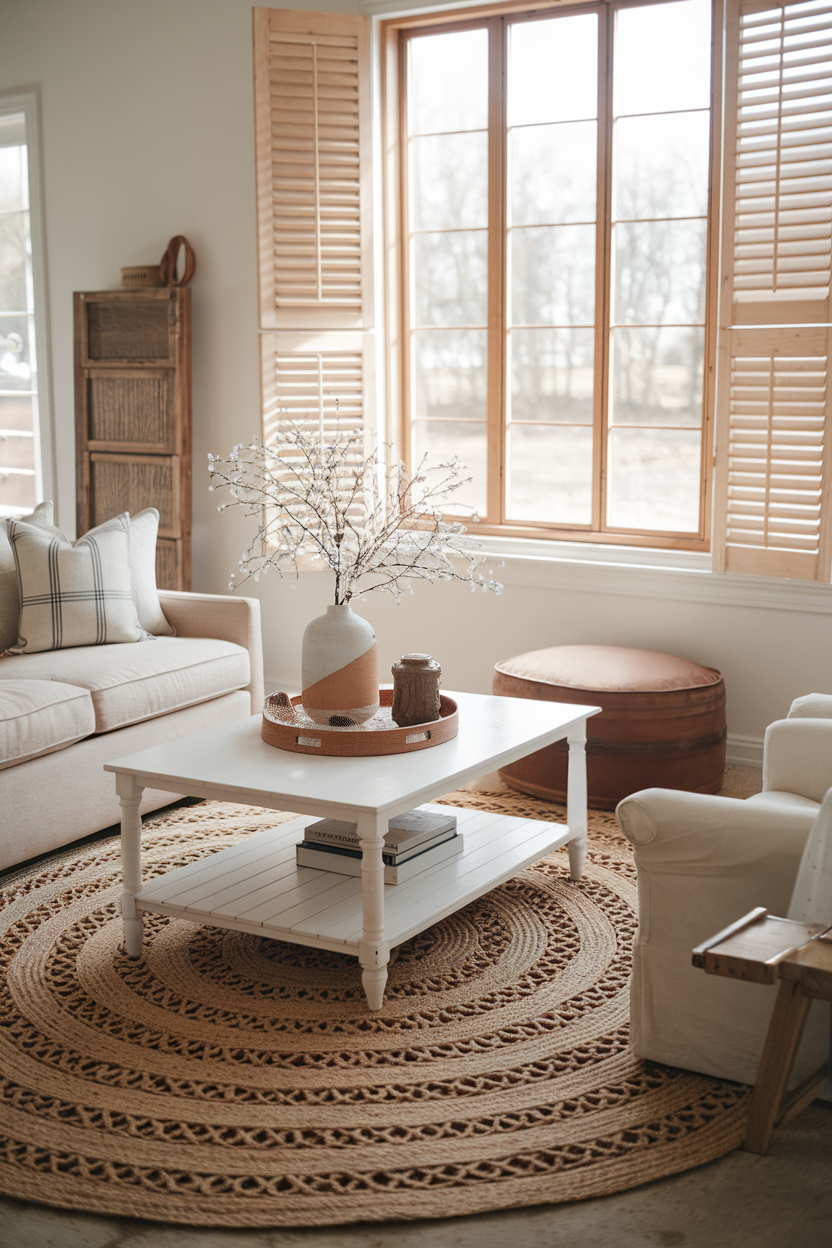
[[377, 527]]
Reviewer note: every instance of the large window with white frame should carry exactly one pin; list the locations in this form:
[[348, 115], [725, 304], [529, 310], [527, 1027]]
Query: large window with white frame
[[25, 462], [554, 172]]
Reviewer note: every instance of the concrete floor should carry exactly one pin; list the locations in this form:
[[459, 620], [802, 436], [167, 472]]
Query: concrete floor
[[740, 1201]]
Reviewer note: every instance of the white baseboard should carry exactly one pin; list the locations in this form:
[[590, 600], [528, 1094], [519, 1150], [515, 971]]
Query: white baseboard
[[747, 751]]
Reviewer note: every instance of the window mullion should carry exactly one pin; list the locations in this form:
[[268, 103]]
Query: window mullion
[[497, 36], [603, 270]]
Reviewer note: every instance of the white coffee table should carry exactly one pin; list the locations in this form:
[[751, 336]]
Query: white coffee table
[[257, 887]]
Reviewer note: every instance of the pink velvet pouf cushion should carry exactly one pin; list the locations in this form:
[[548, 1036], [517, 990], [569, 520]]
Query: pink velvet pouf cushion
[[662, 720]]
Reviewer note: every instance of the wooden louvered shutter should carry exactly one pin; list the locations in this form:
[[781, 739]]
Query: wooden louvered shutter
[[313, 146], [312, 117], [773, 512], [323, 378]]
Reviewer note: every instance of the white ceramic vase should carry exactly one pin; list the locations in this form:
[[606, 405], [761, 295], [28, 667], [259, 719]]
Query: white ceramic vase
[[339, 664]]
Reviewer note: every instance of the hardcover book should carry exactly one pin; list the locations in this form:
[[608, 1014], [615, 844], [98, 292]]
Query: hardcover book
[[405, 832], [349, 862]]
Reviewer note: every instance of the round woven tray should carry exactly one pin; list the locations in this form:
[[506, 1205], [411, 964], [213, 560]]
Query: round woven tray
[[380, 735]]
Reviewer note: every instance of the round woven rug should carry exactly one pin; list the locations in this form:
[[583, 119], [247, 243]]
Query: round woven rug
[[229, 1080]]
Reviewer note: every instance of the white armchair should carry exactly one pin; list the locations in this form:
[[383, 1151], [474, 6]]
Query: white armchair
[[703, 862]]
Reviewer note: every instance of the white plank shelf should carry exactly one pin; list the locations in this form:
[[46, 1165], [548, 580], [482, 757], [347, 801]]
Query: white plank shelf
[[256, 886]]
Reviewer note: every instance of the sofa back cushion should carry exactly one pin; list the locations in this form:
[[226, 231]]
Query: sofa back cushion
[[73, 593]]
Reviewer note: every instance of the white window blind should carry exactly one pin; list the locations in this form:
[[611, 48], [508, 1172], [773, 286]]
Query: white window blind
[[774, 458]]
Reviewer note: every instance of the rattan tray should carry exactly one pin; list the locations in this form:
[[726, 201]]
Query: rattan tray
[[380, 735]]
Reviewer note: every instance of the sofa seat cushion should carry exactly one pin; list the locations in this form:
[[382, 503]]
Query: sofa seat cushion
[[130, 682], [41, 716]]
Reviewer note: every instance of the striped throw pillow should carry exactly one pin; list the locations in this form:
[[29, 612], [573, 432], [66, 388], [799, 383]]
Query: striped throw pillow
[[73, 593]]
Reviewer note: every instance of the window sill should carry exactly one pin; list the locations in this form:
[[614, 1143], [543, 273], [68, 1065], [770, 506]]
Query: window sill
[[504, 547], [683, 576]]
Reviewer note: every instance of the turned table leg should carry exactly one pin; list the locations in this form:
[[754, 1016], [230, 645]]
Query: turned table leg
[[373, 950], [576, 799], [130, 796]]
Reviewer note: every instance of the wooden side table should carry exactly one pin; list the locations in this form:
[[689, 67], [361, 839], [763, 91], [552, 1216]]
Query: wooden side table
[[763, 949]]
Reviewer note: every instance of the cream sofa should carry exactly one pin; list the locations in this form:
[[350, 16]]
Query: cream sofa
[[702, 863], [64, 713]]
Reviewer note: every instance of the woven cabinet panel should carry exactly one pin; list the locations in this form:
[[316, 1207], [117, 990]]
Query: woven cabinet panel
[[168, 563], [133, 408], [137, 329], [133, 483]]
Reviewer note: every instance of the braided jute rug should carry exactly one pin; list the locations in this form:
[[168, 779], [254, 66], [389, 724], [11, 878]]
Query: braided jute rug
[[228, 1080]]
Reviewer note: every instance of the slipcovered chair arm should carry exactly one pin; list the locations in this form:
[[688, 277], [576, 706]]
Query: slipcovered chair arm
[[228, 619], [811, 706], [797, 757], [705, 861]]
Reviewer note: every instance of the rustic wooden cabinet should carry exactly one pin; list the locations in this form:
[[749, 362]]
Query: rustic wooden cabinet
[[133, 415]]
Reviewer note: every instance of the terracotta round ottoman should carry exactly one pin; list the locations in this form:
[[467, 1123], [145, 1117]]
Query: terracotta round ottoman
[[662, 722]]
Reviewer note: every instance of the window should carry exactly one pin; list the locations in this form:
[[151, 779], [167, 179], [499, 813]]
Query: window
[[584, 279], [554, 245], [23, 456]]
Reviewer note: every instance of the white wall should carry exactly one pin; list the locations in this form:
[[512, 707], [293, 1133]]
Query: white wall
[[148, 132]]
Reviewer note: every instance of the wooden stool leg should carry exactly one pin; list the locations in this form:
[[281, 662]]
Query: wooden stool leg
[[782, 1039]]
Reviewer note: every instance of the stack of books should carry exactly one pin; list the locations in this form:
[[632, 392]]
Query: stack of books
[[416, 840]]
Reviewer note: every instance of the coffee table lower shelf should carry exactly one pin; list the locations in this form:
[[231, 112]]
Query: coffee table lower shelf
[[256, 886]]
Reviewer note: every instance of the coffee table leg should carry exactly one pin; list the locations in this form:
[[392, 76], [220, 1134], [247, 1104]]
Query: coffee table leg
[[576, 799], [130, 796], [373, 950]]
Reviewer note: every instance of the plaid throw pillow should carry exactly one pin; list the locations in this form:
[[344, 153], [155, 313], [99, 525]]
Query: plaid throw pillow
[[73, 593], [9, 592], [142, 529]]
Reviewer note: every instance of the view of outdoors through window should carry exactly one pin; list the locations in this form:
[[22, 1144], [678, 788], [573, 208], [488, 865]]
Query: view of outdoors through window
[[604, 277], [19, 458], [661, 133], [448, 122]]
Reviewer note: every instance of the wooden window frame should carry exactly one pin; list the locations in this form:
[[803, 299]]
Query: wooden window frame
[[28, 103], [394, 36]]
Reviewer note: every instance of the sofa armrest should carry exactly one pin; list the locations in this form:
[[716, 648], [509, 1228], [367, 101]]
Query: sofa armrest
[[704, 861], [797, 757], [225, 617]]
